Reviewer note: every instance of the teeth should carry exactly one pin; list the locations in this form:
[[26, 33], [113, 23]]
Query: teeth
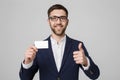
[[58, 26]]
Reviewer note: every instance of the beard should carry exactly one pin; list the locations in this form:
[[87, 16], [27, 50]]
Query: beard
[[58, 32]]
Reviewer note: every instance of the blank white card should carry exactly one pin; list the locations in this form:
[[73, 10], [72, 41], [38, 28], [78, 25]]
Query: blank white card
[[41, 44]]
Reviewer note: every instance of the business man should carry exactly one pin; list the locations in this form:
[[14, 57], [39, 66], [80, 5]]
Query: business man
[[64, 55]]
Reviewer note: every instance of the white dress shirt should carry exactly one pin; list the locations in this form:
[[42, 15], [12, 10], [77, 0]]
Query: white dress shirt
[[58, 51]]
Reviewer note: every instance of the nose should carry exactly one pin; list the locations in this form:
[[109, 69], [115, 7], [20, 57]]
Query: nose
[[58, 21]]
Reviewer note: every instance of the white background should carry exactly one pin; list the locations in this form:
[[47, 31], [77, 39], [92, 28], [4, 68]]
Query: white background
[[95, 22]]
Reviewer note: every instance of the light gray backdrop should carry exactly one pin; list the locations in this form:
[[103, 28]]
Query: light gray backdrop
[[95, 22]]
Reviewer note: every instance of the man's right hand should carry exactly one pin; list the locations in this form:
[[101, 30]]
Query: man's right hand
[[30, 54]]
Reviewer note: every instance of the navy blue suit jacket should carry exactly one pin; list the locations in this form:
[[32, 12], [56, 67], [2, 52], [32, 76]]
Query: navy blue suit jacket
[[45, 63]]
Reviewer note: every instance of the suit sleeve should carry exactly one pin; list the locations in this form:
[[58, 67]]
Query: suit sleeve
[[93, 72], [28, 74]]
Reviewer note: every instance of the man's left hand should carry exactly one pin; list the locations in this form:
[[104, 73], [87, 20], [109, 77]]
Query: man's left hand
[[79, 56]]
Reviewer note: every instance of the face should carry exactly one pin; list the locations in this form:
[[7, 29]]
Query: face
[[58, 22]]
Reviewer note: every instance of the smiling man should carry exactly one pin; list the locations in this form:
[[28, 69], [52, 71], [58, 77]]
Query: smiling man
[[64, 55]]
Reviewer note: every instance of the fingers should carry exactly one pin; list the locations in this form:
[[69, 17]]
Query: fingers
[[31, 50], [33, 47], [30, 54], [80, 46], [79, 56]]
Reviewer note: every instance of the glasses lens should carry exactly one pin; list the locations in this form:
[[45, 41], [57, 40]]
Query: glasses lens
[[63, 18], [55, 18]]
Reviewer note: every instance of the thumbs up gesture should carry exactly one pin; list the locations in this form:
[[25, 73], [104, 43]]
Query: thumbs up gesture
[[79, 56]]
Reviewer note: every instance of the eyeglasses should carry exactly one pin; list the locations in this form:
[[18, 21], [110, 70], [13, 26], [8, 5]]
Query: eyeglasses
[[55, 18]]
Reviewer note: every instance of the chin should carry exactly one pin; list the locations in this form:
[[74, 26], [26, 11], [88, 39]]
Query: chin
[[59, 34]]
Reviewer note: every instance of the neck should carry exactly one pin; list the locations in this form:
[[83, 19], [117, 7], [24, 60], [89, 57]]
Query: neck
[[57, 38]]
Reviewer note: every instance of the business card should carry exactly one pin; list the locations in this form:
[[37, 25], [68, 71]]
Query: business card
[[41, 44]]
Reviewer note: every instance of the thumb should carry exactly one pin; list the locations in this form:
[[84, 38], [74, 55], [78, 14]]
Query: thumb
[[80, 46]]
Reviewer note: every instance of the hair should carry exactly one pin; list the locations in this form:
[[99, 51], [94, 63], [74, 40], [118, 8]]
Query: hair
[[57, 6]]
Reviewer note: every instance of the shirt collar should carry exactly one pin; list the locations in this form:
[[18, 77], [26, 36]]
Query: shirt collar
[[55, 42]]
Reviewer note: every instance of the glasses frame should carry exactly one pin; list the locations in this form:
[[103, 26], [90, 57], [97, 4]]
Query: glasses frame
[[55, 18]]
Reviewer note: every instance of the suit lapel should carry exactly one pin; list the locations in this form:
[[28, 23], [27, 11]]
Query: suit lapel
[[68, 45], [66, 51], [51, 57]]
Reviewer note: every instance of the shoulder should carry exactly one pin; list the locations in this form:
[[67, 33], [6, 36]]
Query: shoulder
[[75, 41]]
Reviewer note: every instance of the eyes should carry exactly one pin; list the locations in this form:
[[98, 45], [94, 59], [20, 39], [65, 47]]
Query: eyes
[[61, 18]]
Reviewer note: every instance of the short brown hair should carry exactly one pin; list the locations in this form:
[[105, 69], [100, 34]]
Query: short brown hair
[[57, 6]]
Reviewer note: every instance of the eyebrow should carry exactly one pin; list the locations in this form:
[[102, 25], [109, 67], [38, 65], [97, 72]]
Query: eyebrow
[[57, 16]]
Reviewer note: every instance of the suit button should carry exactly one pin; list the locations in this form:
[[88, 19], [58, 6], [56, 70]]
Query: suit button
[[58, 78]]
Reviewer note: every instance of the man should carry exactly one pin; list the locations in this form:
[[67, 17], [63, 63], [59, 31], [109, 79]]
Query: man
[[63, 57]]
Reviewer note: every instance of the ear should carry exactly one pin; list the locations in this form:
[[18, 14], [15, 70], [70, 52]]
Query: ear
[[48, 21], [67, 21]]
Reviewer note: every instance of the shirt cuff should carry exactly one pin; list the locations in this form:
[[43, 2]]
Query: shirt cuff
[[87, 67], [27, 66]]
